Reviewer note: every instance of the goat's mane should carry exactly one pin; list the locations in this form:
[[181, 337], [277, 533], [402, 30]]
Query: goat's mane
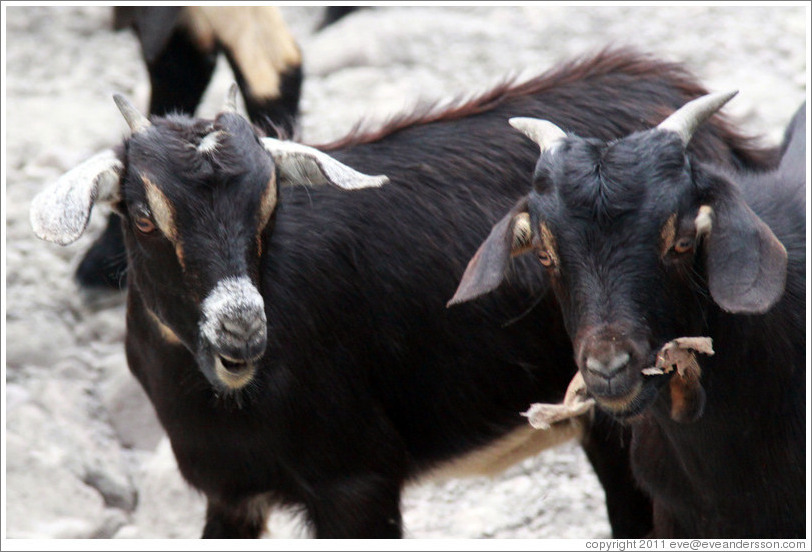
[[609, 60]]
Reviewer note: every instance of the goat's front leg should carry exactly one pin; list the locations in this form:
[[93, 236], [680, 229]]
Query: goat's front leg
[[360, 507], [607, 446], [236, 519]]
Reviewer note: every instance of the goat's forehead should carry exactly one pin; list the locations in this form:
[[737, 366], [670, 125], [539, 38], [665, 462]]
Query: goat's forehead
[[182, 159], [176, 136], [628, 213], [631, 179]]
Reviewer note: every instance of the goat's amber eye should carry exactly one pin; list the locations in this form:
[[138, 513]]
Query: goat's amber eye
[[684, 245], [144, 225], [545, 258]]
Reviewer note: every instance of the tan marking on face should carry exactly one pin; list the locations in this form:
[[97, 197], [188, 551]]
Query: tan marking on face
[[704, 220], [164, 215], [166, 332], [161, 209], [267, 203], [523, 442], [668, 234], [257, 38], [179, 254], [548, 242]]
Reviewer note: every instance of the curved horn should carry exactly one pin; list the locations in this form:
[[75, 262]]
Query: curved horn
[[136, 121], [304, 165], [542, 132], [230, 105], [687, 119]]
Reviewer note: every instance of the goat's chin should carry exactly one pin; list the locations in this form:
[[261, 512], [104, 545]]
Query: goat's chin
[[226, 376], [233, 375], [638, 402]]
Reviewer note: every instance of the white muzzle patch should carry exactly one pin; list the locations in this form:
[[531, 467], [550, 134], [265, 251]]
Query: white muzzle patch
[[233, 325], [233, 313]]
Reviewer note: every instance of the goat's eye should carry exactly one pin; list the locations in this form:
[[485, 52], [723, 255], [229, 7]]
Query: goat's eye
[[144, 225], [684, 245], [545, 258]]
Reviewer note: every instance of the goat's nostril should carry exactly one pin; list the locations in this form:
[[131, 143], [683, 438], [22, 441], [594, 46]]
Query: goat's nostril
[[243, 329], [594, 365], [619, 361], [607, 367]]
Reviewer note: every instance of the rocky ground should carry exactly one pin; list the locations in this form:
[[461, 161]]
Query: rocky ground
[[84, 455]]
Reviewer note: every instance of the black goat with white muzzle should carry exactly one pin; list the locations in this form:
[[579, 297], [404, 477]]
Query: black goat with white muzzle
[[366, 381], [180, 46], [642, 244], [195, 242]]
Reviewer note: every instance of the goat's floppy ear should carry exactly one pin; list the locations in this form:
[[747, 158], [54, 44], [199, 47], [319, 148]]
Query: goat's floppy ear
[[746, 263], [303, 165], [61, 211], [510, 236]]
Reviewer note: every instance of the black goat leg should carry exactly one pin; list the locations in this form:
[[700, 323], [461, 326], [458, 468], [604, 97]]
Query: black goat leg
[[179, 75], [236, 519], [361, 507], [104, 265], [607, 446]]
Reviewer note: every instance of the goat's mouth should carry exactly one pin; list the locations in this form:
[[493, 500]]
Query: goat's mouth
[[637, 401], [234, 373]]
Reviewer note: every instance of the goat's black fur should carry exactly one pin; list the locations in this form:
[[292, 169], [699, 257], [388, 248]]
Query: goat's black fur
[[368, 380], [736, 468], [180, 65]]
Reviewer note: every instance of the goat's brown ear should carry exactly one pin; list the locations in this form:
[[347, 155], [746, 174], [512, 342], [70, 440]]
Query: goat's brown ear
[[303, 165], [61, 211], [509, 237], [746, 263]]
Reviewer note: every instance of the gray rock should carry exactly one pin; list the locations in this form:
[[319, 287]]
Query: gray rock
[[131, 414]]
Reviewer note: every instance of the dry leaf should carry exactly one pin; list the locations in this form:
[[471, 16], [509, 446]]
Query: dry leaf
[[680, 353], [687, 393], [576, 403]]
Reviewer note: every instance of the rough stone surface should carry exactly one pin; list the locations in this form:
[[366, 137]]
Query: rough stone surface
[[85, 456]]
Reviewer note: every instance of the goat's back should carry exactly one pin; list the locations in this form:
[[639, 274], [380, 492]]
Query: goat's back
[[363, 278]]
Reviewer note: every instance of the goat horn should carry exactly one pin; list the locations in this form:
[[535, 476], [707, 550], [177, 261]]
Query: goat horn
[[230, 105], [136, 121], [687, 119], [542, 132]]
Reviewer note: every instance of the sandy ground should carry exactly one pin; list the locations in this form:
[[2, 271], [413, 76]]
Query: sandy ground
[[84, 456]]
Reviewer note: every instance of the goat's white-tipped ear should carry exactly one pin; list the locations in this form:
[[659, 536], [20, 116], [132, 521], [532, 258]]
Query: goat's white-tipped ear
[[541, 131], [60, 212], [303, 165]]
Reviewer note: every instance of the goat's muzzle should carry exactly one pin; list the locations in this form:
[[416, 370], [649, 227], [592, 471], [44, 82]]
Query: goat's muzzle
[[610, 361], [233, 327]]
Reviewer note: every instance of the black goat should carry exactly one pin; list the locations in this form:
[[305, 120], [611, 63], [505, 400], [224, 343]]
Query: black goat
[[644, 242], [180, 45], [294, 340]]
